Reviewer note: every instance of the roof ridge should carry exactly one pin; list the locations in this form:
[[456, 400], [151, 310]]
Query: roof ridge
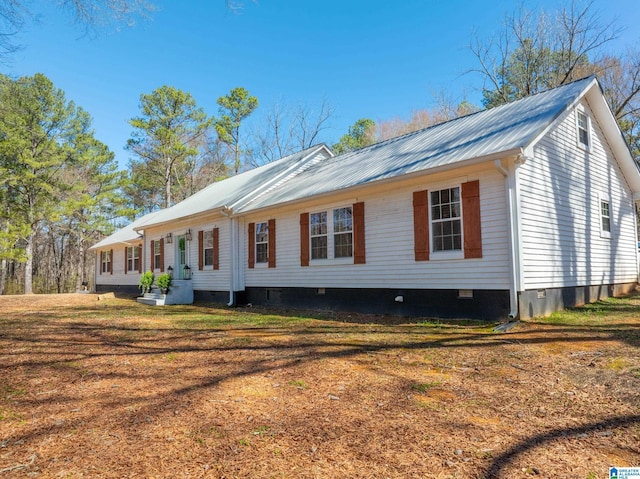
[[503, 105]]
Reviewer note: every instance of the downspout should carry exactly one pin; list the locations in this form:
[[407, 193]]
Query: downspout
[[228, 212], [636, 208], [515, 244]]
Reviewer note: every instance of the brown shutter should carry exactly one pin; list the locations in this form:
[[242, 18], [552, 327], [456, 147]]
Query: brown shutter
[[200, 250], [272, 244], [111, 261], [216, 248], [304, 239], [421, 225], [152, 265], [125, 260], [162, 255], [252, 245], [140, 258], [359, 256], [471, 219], [100, 261]]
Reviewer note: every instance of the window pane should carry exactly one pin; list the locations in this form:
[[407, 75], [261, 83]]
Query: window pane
[[342, 220], [262, 250], [318, 222], [343, 247], [319, 247], [436, 212], [262, 232], [207, 238]]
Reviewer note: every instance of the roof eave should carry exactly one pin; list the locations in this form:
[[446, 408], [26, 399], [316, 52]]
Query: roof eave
[[210, 211], [128, 242], [513, 152]]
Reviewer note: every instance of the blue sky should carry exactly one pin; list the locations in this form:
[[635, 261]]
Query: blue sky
[[368, 58]]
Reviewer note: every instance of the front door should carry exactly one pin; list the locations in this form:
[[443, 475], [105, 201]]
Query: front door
[[181, 257]]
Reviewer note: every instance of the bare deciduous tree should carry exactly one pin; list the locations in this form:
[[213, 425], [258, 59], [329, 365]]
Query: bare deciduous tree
[[286, 130]]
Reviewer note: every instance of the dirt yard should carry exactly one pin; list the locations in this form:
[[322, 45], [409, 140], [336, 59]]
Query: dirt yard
[[113, 389]]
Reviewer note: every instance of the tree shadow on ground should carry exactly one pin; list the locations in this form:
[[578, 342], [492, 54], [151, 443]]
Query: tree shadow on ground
[[496, 469]]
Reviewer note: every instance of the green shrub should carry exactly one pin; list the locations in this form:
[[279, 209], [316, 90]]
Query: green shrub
[[146, 281], [163, 282]]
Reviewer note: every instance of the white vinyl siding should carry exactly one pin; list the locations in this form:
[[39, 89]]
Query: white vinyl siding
[[389, 241], [209, 279], [118, 277], [560, 190]]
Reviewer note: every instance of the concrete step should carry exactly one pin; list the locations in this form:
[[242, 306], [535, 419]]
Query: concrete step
[[151, 301]]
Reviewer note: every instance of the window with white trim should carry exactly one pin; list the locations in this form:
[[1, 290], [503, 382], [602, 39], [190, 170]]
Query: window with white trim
[[605, 217], [133, 258], [331, 239], [583, 123], [446, 219], [207, 247], [262, 242], [106, 261], [156, 255]]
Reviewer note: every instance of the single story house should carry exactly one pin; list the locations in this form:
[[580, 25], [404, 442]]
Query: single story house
[[515, 211]]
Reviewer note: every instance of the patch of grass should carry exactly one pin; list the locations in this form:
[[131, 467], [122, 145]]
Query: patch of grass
[[10, 416], [262, 430], [424, 387], [618, 364], [298, 383], [171, 357], [607, 312], [9, 392], [243, 442]]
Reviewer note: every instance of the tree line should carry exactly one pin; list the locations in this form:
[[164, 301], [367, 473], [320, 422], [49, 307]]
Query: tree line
[[61, 190]]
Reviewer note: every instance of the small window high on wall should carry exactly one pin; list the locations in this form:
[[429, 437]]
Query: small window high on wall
[[583, 124], [605, 216]]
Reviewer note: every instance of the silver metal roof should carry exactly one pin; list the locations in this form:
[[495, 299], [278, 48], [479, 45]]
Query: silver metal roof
[[489, 132], [315, 171], [237, 190], [125, 235]]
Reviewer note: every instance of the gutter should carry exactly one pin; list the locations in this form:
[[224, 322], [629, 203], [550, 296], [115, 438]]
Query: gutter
[[513, 216]]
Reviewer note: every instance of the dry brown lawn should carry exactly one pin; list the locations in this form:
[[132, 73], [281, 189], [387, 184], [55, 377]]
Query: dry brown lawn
[[114, 389]]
